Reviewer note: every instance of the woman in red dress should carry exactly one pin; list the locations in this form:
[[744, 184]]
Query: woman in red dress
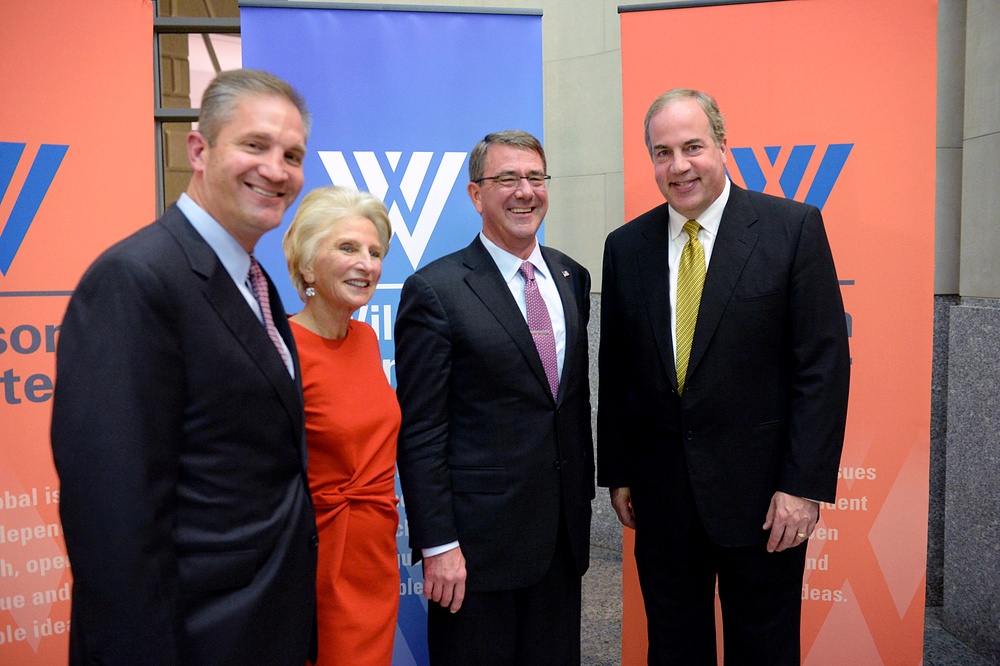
[[335, 246]]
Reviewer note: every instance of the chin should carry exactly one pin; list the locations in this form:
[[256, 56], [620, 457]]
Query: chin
[[356, 304]]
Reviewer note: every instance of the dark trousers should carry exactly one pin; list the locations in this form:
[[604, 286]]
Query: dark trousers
[[760, 593], [536, 625]]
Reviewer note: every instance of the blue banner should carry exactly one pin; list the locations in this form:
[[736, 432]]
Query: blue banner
[[398, 99]]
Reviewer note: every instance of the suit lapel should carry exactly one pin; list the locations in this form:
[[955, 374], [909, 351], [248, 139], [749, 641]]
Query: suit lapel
[[653, 261], [227, 301], [571, 313], [487, 283], [733, 245]]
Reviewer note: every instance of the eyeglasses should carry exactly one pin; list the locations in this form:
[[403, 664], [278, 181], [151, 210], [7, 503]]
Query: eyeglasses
[[509, 181]]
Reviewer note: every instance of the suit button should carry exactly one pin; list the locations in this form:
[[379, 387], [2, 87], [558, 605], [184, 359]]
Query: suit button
[[689, 435], [557, 464], [314, 541]]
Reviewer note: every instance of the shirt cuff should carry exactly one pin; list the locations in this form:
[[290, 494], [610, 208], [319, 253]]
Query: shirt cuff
[[437, 550]]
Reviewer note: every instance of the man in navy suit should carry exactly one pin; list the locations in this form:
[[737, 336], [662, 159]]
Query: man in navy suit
[[177, 425], [495, 451], [719, 468]]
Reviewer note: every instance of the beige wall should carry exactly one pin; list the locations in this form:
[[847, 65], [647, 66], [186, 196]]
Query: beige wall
[[950, 110], [979, 267], [967, 252]]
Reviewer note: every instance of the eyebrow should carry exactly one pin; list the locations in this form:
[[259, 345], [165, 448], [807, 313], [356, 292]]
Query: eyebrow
[[689, 142], [533, 172], [299, 148]]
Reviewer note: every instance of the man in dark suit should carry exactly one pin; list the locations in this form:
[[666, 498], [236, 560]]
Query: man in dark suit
[[750, 435], [178, 428], [495, 451]]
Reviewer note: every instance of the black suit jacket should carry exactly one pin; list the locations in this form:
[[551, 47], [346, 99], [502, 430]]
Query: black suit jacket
[[178, 436], [486, 456], [765, 400]]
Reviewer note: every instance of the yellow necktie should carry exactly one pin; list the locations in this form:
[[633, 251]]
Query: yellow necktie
[[690, 281]]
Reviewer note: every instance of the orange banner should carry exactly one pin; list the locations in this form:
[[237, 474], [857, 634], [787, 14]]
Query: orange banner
[[831, 102], [76, 174]]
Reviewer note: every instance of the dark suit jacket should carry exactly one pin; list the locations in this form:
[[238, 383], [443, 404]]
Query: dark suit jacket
[[765, 401], [485, 454], [179, 440]]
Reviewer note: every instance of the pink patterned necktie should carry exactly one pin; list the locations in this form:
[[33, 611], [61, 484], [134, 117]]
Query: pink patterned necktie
[[541, 327], [259, 285]]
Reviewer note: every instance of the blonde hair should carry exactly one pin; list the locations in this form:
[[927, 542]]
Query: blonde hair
[[317, 217]]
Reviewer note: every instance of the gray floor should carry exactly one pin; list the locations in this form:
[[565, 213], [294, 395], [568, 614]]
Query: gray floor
[[602, 611], [601, 635], [943, 649]]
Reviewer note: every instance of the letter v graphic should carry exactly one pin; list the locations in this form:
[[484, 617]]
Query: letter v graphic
[[414, 242], [36, 185]]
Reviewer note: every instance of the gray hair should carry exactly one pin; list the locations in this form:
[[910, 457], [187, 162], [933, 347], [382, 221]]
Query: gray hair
[[224, 93], [516, 138], [707, 103]]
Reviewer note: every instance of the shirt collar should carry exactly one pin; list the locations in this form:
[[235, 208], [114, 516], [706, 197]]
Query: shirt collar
[[709, 220], [510, 264], [232, 255]]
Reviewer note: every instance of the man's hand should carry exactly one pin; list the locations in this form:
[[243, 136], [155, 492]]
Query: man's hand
[[444, 578], [621, 500], [791, 520]]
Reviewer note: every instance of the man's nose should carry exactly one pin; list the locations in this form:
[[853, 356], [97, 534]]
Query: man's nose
[[273, 167]]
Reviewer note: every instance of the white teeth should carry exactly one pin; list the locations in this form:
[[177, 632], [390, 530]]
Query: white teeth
[[357, 283], [263, 192], [520, 210]]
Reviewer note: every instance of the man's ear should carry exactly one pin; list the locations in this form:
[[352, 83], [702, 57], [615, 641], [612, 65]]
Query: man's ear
[[197, 150], [476, 194]]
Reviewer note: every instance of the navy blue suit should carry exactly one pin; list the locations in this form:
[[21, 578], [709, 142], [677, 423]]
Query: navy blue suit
[[486, 456], [178, 435]]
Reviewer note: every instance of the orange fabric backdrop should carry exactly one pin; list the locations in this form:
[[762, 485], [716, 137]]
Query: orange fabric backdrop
[[859, 76], [76, 80]]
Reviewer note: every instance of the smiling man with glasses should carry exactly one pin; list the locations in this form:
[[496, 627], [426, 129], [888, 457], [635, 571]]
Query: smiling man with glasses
[[495, 452]]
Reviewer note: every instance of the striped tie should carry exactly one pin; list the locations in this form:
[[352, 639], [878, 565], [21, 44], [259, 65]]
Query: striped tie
[[258, 283], [690, 281]]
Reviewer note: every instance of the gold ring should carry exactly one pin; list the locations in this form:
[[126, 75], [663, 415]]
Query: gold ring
[[802, 535]]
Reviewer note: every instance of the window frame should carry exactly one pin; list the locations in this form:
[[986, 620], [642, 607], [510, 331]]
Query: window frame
[[161, 114]]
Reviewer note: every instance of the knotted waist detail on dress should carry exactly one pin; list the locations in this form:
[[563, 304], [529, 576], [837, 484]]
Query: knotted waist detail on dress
[[383, 492]]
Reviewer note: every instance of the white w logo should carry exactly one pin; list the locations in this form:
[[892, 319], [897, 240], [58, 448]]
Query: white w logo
[[408, 185]]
